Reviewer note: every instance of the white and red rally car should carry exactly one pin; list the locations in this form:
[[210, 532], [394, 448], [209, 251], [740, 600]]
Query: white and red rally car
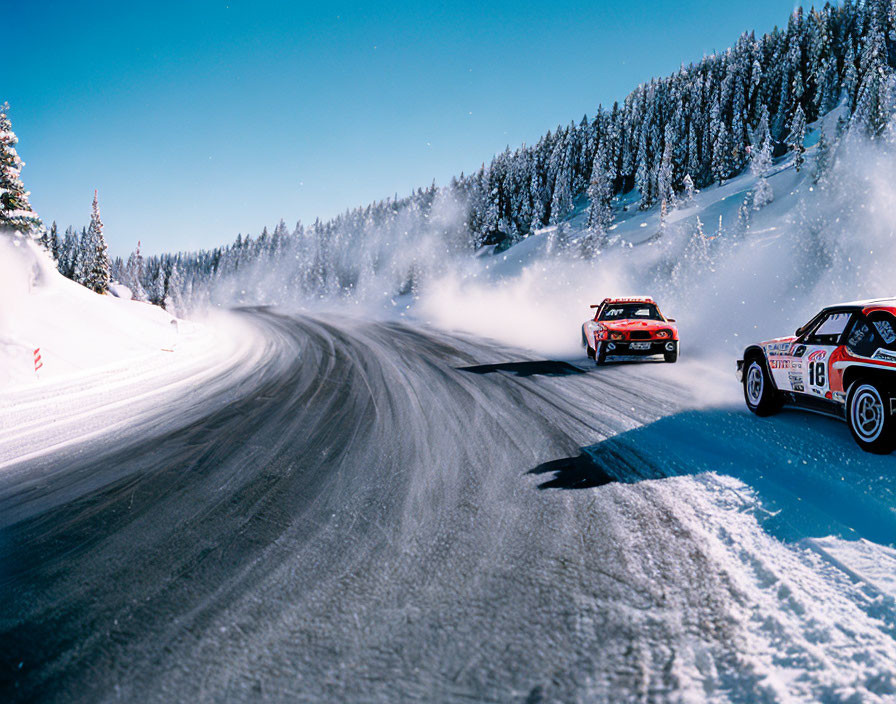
[[842, 362], [630, 326]]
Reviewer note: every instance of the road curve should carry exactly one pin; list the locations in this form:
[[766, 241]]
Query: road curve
[[363, 524]]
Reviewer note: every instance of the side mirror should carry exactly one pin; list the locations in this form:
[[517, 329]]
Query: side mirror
[[670, 320]]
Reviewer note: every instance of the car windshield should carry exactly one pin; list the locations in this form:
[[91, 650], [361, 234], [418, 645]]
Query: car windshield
[[631, 311]]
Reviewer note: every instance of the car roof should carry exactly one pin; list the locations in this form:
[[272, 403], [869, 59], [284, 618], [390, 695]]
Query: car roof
[[630, 299], [867, 305]]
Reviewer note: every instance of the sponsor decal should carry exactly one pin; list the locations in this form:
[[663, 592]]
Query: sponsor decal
[[779, 363], [799, 351], [884, 356], [886, 331], [818, 356], [796, 382], [778, 348]]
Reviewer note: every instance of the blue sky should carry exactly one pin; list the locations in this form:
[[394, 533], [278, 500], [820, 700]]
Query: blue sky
[[199, 120]]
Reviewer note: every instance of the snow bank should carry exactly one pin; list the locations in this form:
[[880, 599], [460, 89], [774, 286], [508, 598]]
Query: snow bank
[[74, 328], [869, 564]]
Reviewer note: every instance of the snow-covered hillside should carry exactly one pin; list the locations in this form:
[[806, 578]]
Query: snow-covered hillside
[[108, 367], [728, 273], [74, 328]]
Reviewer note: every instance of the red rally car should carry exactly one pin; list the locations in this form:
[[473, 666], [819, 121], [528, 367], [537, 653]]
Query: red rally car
[[842, 362], [630, 326]]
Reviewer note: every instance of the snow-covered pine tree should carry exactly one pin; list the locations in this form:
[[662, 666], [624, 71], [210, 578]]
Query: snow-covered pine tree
[[664, 177], [97, 270], [822, 158], [600, 191], [562, 198], [133, 274], [53, 242], [798, 137], [174, 297], [158, 291], [850, 77], [15, 210], [872, 107], [68, 253], [537, 194], [279, 238], [83, 264], [690, 191], [761, 162], [721, 152]]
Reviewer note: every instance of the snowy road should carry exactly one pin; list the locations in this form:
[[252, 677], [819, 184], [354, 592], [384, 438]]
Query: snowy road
[[380, 513]]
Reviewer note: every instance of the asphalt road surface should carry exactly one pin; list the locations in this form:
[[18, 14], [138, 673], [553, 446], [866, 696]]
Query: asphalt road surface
[[389, 514]]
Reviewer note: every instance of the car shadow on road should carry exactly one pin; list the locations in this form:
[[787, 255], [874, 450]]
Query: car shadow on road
[[806, 471], [580, 472], [546, 367]]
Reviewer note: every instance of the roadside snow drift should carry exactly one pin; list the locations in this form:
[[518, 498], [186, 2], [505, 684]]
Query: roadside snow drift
[[112, 368], [74, 328]]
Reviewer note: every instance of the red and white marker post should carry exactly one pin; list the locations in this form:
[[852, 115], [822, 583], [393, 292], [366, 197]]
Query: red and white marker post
[[37, 362]]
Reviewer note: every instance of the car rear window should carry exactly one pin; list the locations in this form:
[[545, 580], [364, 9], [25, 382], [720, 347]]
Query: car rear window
[[872, 333]]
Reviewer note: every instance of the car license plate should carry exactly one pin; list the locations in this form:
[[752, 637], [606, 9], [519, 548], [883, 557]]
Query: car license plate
[[640, 345]]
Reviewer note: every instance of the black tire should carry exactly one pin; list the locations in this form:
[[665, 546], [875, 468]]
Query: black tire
[[600, 355], [671, 357], [869, 419], [759, 390]]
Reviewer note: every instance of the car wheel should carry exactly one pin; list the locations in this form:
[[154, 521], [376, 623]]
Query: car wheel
[[600, 355], [869, 418], [671, 357], [759, 390]]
